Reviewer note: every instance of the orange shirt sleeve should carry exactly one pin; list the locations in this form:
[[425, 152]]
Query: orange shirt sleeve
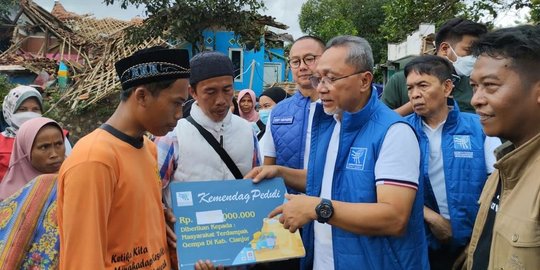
[[85, 196]]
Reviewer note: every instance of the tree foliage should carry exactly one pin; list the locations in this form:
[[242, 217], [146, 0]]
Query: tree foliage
[[403, 16], [6, 6], [330, 18], [327, 18], [534, 14], [187, 19], [5, 86]]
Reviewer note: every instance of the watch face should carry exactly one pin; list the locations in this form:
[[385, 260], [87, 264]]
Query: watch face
[[325, 211]]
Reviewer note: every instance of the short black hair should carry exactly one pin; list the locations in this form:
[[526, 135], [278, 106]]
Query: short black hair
[[521, 44], [314, 38], [431, 65], [453, 30], [154, 88]]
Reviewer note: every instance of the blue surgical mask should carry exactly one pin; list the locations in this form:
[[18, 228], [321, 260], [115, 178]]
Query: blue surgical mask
[[463, 64], [264, 114]]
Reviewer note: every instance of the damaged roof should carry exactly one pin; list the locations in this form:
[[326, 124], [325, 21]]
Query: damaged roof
[[89, 46]]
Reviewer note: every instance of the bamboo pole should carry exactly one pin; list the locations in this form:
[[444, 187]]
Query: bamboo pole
[[62, 50], [78, 54], [69, 50]]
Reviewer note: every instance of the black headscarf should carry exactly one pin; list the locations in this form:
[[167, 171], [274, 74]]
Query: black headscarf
[[276, 93]]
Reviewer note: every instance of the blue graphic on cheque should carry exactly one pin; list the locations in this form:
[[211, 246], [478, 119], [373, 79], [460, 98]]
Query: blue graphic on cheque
[[462, 142], [225, 222], [357, 158], [247, 255], [266, 240]]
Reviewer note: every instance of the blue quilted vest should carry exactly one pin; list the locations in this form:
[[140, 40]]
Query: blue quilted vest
[[289, 120], [362, 133], [465, 171]]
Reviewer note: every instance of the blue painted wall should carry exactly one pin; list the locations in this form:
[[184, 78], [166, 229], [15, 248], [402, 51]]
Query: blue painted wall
[[224, 41], [277, 55], [23, 78]]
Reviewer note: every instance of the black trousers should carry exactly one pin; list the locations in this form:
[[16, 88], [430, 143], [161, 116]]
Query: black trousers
[[444, 258]]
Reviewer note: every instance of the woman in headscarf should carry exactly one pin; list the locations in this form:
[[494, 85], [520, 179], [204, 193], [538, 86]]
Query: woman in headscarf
[[20, 104], [267, 100], [34, 153], [28, 225], [246, 102]]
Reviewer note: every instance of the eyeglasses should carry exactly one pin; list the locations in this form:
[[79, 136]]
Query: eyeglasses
[[316, 80], [308, 60]]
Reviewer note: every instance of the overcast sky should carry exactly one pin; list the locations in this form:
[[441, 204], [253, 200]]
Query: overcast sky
[[285, 11]]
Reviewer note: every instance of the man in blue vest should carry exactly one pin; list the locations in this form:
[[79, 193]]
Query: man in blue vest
[[457, 158], [287, 137], [288, 132], [361, 209]]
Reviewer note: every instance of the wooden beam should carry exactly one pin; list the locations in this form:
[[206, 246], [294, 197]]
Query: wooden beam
[[46, 43]]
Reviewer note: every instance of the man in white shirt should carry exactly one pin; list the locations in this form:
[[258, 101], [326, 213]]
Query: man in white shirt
[[184, 154]]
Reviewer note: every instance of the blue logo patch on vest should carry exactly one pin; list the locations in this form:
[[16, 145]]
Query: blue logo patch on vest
[[462, 146], [462, 142], [284, 120], [357, 158]]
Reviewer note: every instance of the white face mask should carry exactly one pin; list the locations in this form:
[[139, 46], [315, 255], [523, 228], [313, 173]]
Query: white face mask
[[463, 64], [18, 119]]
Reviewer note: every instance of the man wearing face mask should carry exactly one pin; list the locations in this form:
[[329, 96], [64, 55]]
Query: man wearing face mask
[[453, 42]]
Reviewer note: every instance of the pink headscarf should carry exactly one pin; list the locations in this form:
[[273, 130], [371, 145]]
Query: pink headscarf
[[253, 115], [20, 169]]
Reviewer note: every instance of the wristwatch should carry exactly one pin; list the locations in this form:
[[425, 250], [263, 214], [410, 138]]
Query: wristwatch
[[324, 210]]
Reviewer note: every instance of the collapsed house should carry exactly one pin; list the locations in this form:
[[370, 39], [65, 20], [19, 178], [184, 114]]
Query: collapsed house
[[88, 46], [35, 40]]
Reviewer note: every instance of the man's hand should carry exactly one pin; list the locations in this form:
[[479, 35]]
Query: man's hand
[[170, 219], [439, 226], [263, 172], [299, 210]]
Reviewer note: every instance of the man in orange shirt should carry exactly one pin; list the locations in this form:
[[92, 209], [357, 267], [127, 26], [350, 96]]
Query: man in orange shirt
[[109, 192]]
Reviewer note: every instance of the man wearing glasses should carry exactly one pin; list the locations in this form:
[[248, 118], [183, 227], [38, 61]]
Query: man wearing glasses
[[287, 137], [360, 209]]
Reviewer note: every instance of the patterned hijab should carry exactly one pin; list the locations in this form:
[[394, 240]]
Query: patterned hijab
[[251, 116], [13, 101], [20, 169]]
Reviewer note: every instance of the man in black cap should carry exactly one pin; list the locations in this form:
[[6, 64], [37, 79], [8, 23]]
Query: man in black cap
[[109, 192], [211, 85]]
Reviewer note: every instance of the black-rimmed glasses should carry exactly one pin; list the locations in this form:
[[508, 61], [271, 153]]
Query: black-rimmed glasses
[[308, 60], [316, 80]]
